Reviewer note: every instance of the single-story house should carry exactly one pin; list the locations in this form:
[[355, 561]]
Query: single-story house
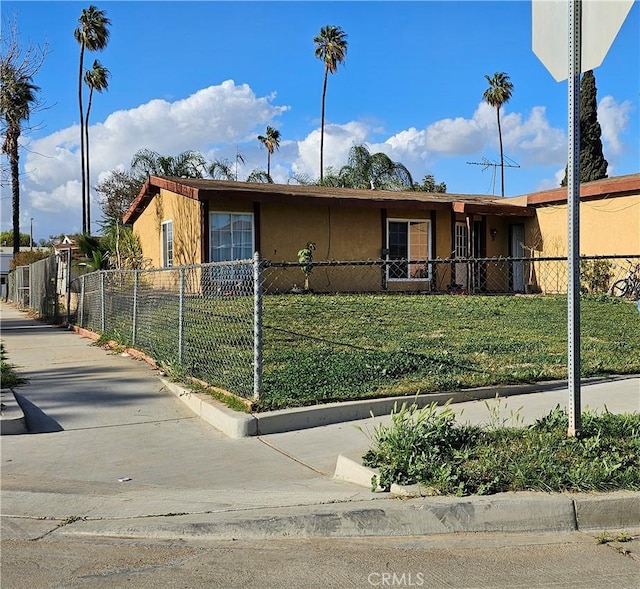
[[192, 221]]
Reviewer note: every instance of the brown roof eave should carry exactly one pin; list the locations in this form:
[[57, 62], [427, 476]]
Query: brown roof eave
[[340, 201], [497, 210], [139, 204], [617, 186]]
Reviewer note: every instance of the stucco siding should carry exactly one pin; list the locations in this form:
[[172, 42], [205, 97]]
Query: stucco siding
[[338, 233], [187, 231], [607, 227]]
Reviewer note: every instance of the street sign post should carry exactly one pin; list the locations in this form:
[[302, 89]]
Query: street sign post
[[589, 27]]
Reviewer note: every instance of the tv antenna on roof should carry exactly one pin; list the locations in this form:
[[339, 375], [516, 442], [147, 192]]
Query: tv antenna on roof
[[486, 163]]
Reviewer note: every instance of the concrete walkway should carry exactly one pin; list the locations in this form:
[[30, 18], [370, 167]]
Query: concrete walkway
[[114, 450]]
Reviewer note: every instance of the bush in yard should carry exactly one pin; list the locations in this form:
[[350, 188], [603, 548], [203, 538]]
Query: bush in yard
[[595, 276]]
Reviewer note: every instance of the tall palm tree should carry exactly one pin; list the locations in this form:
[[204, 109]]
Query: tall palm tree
[[97, 79], [92, 34], [271, 141], [498, 93], [17, 98], [331, 48]]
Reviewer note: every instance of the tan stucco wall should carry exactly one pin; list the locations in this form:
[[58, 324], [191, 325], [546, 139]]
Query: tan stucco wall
[[608, 226], [185, 214], [338, 233]]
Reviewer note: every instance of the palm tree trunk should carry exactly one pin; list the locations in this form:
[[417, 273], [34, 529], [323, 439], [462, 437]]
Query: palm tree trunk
[[84, 211], [15, 190], [324, 93], [86, 142], [501, 152], [268, 163]]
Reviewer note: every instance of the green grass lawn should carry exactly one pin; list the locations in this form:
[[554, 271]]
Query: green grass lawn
[[320, 348]]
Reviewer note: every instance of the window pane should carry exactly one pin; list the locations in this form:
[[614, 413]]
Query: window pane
[[408, 240], [231, 237], [398, 248], [418, 248], [167, 244]]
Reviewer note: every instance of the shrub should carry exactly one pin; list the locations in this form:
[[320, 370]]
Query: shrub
[[595, 276]]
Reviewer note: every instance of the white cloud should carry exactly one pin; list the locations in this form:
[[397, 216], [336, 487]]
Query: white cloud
[[613, 118], [338, 140], [534, 139], [461, 136], [210, 117], [64, 196]]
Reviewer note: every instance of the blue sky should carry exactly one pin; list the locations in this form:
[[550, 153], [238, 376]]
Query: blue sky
[[210, 76]]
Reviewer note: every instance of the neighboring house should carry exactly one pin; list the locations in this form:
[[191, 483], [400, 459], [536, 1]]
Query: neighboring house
[[61, 249], [193, 221], [609, 218], [6, 256]]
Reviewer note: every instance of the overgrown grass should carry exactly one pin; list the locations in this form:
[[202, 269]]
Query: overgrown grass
[[8, 375], [335, 347], [429, 447]]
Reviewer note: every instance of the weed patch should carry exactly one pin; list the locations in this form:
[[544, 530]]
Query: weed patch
[[427, 446], [8, 375]]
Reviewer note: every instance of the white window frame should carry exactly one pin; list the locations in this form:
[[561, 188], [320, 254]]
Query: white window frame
[[429, 268], [166, 243], [253, 231]]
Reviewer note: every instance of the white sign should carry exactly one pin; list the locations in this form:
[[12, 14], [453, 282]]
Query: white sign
[[601, 21]]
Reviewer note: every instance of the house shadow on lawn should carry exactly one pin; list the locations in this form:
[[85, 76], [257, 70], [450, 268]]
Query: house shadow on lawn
[[37, 421]]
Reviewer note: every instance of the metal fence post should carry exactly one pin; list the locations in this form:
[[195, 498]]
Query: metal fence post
[[103, 313], [82, 290], [134, 323], [181, 318], [257, 326]]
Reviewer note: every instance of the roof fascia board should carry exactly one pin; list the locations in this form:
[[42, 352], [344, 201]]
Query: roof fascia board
[[589, 191], [498, 210]]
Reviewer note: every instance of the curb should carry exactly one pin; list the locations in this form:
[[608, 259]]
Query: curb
[[12, 419], [389, 517], [611, 511], [239, 425]]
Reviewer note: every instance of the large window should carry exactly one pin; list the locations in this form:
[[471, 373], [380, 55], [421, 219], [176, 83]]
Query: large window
[[231, 236], [167, 244], [408, 241]]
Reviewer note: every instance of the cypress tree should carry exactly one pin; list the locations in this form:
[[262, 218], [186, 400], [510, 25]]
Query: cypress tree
[[593, 166]]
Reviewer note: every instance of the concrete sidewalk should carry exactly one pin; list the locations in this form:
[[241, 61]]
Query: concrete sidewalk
[[114, 450]]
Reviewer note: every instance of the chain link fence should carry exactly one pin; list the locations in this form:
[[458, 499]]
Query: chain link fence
[[196, 321], [292, 333]]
